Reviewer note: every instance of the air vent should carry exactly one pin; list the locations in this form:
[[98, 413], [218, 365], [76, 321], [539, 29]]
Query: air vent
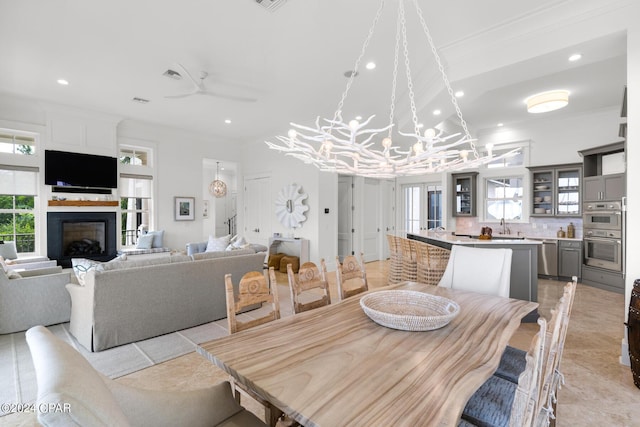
[[271, 5], [140, 100], [172, 74]]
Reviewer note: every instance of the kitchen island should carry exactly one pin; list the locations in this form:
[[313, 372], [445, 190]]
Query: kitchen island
[[524, 261]]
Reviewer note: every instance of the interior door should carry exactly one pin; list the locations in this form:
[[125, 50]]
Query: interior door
[[258, 209], [388, 202], [371, 220], [345, 216]]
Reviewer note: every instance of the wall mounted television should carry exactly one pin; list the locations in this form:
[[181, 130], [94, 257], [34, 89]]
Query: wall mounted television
[[78, 172]]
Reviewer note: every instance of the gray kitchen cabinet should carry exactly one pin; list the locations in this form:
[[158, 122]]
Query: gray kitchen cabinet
[[569, 258], [604, 187], [556, 190], [464, 194]]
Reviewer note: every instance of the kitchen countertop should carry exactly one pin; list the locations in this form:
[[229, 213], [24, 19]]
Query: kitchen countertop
[[466, 239]]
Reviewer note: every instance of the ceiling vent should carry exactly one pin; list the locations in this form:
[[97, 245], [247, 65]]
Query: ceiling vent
[[271, 5], [172, 74]]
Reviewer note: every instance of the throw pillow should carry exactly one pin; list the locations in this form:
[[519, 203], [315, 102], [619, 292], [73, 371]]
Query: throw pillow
[[82, 266], [217, 244], [145, 241], [3, 264], [8, 250], [158, 237]]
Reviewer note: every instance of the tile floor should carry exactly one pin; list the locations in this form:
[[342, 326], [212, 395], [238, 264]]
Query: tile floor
[[598, 390]]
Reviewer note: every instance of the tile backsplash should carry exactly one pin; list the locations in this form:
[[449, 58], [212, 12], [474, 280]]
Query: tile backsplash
[[536, 227]]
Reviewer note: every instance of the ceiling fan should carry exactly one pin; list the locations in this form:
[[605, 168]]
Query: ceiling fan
[[200, 89]]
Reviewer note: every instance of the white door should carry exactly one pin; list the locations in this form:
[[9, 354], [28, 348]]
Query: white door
[[258, 209], [388, 201], [371, 220], [345, 216]]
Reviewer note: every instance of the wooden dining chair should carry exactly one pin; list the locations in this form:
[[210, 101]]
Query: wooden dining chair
[[487, 271], [254, 289], [353, 272], [305, 285], [499, 402]]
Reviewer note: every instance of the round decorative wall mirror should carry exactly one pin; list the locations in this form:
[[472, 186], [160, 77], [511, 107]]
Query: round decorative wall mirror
[[289, 208]]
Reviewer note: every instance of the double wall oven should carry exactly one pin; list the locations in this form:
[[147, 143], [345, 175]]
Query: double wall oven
[[603, 225]]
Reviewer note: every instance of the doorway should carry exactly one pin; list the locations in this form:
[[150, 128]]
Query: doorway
[[219, 213]]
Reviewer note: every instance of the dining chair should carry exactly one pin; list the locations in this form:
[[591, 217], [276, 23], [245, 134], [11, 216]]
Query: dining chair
[[353, 272], [499, 402], [305, 285], [76, 394], [254, 288], [395, 260], [431, 263], [487, 271]]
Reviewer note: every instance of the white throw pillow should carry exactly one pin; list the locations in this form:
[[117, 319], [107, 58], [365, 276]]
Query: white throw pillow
[[217, 244], [145, 241], [8, 250], [241, 243], [82, 266]]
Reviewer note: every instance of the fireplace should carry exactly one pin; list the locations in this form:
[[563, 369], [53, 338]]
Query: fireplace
[[89, 235]]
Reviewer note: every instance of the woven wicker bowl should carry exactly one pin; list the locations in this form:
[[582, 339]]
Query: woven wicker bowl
[[409, 310]]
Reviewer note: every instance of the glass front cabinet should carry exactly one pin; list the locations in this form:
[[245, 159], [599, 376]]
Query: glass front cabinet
[[556, 190], [464, 194]]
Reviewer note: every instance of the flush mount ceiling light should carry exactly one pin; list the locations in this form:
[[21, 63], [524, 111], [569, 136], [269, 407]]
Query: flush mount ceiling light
[[218, 188], [355, 148], [547, 101]]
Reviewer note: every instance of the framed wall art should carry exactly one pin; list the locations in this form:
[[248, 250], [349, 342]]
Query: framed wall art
[[184, 208]]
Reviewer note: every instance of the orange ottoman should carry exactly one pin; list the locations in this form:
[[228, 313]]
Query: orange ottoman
[[289, 259]]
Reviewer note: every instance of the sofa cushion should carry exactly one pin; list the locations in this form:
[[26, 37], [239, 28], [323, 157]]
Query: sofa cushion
[[145, 241], [8, 250], [216, 244], [82, 266], [3, 264], [220, 254]]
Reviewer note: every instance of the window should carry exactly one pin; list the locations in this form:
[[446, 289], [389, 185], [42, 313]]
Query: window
[[504, 198], [135, 206], [135, 156], [18, 187], [516, 160], [14, 142], [422, 205]]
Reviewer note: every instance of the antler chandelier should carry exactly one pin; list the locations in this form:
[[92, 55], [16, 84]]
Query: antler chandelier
[[353, 148]]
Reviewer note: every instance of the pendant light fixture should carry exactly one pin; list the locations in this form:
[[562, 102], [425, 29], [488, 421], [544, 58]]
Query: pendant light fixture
[[218, 188]]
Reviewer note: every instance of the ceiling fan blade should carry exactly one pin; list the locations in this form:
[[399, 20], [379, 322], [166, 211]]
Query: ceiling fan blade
[[184, 95], [230, 97], [196, 83]]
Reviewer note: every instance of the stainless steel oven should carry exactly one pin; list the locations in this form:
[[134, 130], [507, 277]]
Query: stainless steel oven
[[602, 216], [603, 249]]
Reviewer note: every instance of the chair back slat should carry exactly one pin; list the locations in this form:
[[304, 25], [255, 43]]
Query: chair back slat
[[302, 286]]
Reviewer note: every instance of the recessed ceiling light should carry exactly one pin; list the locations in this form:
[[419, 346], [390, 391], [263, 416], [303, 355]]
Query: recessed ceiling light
[[500, 125], [459, 94], [437, 112], [575, 57], [63, 82], [370, 65], [227, 121], [420, 125]]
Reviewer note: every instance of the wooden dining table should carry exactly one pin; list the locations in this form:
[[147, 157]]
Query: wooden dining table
[[334, 366]]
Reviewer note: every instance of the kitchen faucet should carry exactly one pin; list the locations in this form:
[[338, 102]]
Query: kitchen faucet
[[505, 229]]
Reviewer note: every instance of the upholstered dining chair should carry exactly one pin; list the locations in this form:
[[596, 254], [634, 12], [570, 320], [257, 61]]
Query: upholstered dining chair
[[351, 276], [304, 286], [83, 396], [487, 271], [254, 288]]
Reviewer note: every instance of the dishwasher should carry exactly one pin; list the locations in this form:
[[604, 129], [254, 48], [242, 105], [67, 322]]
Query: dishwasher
[[547, 257]]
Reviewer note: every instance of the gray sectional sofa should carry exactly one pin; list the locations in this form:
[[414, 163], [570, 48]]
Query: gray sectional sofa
[[134, 300]]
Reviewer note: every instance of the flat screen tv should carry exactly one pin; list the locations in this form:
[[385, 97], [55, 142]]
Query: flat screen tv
[[65, 169]]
